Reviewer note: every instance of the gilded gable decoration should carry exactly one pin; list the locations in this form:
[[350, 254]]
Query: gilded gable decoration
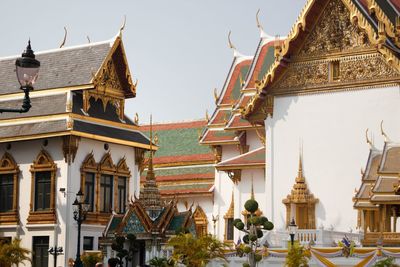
[[43, 164], [228, 217], [106, 164], [200, 219], [139, 158], [300, 204], [8, 166], [122, 167], [235, 175], [334, 32], [89, 164]]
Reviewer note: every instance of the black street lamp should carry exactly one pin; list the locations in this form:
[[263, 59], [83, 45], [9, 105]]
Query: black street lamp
[[27, 68], [55, 251], [80, 211], [292, 231]]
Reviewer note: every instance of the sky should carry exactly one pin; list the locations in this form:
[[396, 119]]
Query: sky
[[177, 49]]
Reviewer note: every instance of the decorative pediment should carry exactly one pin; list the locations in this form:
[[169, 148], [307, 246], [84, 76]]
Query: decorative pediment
[[122, 167], [133, 225], [106, 163], [43, 161], [8, 164], [333, 33], [89, 164]]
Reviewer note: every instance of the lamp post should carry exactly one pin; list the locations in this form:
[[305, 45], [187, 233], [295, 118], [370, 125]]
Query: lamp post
[[27, 69], [55, 251], [292, 231], [79, 216]]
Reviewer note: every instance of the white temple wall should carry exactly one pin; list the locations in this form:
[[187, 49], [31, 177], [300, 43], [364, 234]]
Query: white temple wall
[[331, 128], [117, 152], [252, 139], [24, 158]]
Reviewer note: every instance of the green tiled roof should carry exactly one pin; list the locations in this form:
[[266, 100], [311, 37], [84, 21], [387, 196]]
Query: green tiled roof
[[177, 142], [268, 60], [133, 225], [177, 222], [237, 87], [114, 224], [184, 186], [183, 170]]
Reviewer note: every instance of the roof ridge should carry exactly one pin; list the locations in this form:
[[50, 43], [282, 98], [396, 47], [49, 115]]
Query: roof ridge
[[54, 50]]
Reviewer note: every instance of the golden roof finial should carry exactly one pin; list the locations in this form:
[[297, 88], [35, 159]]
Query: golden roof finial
[[368, 140], [231, 210], [386, 138], [231, 46], [87, 37], [122, 27], [150, 170], [258, 21], [207, 117], [65, 37], [216, 97], [136, 119]]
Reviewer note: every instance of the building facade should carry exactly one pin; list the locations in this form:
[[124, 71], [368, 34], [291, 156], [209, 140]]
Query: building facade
[[76, 136]]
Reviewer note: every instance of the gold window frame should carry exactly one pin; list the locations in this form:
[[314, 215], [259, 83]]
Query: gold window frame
[[42, 163], [9, 166]]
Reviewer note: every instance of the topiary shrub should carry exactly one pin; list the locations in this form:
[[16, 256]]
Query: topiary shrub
[[253, 232]]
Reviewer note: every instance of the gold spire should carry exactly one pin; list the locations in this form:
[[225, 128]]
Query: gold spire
[[300, 176], [150, 195], [231, 211]]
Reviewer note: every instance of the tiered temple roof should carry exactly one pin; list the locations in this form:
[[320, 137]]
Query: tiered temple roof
[[378, 19], [183, 168], [80, 92]]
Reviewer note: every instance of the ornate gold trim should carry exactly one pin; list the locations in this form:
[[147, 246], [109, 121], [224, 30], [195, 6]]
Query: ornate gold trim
[[200, 220], [43, 162], [9, 166], [70, 147], [230, 214]]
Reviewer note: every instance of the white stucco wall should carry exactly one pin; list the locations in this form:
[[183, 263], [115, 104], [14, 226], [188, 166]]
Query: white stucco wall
[[331, 127], [68, 177]]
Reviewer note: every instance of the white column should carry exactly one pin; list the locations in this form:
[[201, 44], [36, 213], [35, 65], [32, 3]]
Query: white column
[[269, 178]]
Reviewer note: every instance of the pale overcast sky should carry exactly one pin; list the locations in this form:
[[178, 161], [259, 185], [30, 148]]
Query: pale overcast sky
[[177, 48]]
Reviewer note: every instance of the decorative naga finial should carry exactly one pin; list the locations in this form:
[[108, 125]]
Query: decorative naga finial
[[216, 97], [362, 172], [207, 117], [368, 140], [136, 119], [122, 27], [87, 37], [65, 37], [258, 21], [386, 138], [231, 46]]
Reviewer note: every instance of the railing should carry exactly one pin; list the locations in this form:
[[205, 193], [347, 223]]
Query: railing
[[318, 237], [386, 238]]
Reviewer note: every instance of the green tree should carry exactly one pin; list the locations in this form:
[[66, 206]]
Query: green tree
[[387, 262], [196, 252], [160, 262], [296, 257], [12, 253], [122, 252], [253, 231], [90, 259]]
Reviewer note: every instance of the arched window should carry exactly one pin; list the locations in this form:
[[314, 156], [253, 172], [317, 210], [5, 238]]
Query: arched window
[[107, 172], [8, 190], [121, 186], [88, 181], [42, 207], [200, 219]]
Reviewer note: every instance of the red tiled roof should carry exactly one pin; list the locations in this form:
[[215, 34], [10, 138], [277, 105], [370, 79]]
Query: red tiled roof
[[181, 177], [238, 122], [228, 98], [183, 158], [220, 117], [396, 3], [259, 62], [174, 125], [187, 191], [218, 136], [254, 158]]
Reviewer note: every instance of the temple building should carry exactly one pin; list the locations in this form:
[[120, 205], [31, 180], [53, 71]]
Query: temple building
[[151, 219], [378, 197], [76, 136], [334, 75], [184, 169]]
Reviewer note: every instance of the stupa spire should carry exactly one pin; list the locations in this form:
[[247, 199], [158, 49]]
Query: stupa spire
[[150, 195]]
